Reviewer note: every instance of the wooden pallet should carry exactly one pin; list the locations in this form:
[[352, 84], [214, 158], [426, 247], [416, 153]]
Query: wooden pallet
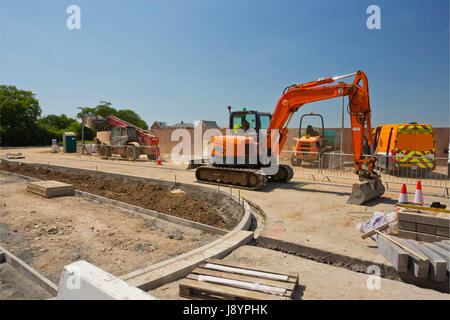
[[205, 283]]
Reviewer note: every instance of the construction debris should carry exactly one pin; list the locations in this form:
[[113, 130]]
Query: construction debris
[[16, 155]]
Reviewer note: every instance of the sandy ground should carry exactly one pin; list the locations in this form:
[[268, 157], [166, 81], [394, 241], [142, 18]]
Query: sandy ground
[[304, 212], [51, 233], [301, 211], [317, 281], [14, 286]]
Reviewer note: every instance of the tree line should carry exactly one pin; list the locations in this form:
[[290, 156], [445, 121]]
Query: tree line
[[21, 123]]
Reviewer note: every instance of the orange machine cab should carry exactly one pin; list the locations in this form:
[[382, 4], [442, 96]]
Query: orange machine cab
[[242, 146], [400, 146]]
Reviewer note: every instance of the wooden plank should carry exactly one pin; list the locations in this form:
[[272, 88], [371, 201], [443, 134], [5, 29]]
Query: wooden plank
[[237, 265], [420, 267], [239, 277], [394, 254], [379, 228], [438, 266], [224, 291], [288, 293]]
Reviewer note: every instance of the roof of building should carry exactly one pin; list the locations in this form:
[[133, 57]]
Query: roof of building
[[208, 124], [182, 124], [160, 124]]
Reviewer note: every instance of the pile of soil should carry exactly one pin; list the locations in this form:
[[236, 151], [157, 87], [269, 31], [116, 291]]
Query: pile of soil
[[149, 196]]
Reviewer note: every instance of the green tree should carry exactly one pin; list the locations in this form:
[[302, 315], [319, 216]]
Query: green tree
[[105, 109], [19, 110]]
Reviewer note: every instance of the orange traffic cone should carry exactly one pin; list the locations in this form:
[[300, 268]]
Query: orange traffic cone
[[403, 198], [158, 162], [418, 197]]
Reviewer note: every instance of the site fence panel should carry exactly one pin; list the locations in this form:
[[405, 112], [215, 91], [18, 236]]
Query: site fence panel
[[432, 171], [306, 163]]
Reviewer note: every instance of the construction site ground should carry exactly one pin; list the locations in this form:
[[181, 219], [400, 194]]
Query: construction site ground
[[316, 280], [303, 212], [51, 233]]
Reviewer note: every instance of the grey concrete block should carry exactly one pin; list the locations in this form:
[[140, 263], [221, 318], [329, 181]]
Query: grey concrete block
[[445, 255], [443, 231], [404, 234], [438, 266], [443, 245], [407, 216], [394, 254], [426, 219], [406, 225], [424, 237], [419, 267], [426, 228], [443, 222]]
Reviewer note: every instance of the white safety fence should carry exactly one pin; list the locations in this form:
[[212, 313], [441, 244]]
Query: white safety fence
[[432, 171]]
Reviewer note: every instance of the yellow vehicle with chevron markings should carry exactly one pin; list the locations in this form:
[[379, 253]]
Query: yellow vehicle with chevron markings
[[403, 148]]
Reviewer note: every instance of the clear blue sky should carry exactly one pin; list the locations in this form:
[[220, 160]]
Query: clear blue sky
[[187, 60]]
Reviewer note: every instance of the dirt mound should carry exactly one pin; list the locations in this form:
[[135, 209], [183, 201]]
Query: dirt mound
[[153, 197]]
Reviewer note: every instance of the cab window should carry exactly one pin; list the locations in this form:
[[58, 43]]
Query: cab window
[[265, 121]]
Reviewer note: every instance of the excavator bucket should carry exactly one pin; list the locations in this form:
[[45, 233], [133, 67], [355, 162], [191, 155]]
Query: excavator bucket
[[366, 191]]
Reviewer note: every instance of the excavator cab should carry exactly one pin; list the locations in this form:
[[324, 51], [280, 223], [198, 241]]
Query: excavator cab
[[249, 119]]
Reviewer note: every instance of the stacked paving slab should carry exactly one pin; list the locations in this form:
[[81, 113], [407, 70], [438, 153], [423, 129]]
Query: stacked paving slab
[[429, 227]]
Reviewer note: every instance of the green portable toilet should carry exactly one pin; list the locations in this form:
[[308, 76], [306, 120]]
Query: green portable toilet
[[70, 142]]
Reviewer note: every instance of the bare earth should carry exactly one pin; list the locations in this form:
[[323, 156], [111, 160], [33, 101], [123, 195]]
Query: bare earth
[[317, 281], [302, 211], [51, 233]]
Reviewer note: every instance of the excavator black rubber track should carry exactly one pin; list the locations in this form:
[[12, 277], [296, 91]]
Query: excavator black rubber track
[[248, 179]]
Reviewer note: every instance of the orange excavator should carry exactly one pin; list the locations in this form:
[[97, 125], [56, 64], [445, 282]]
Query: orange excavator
[[236, 159]]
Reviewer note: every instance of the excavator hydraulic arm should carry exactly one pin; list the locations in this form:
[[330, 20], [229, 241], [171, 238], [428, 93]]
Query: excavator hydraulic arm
[[295, 96]]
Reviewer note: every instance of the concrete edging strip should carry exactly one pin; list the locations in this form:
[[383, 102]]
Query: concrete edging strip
[[155, 214], [29, 272], [180, 266], [175, 268], [322, 256]]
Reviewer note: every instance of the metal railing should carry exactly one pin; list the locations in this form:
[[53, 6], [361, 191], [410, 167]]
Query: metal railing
[[432, 171]]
